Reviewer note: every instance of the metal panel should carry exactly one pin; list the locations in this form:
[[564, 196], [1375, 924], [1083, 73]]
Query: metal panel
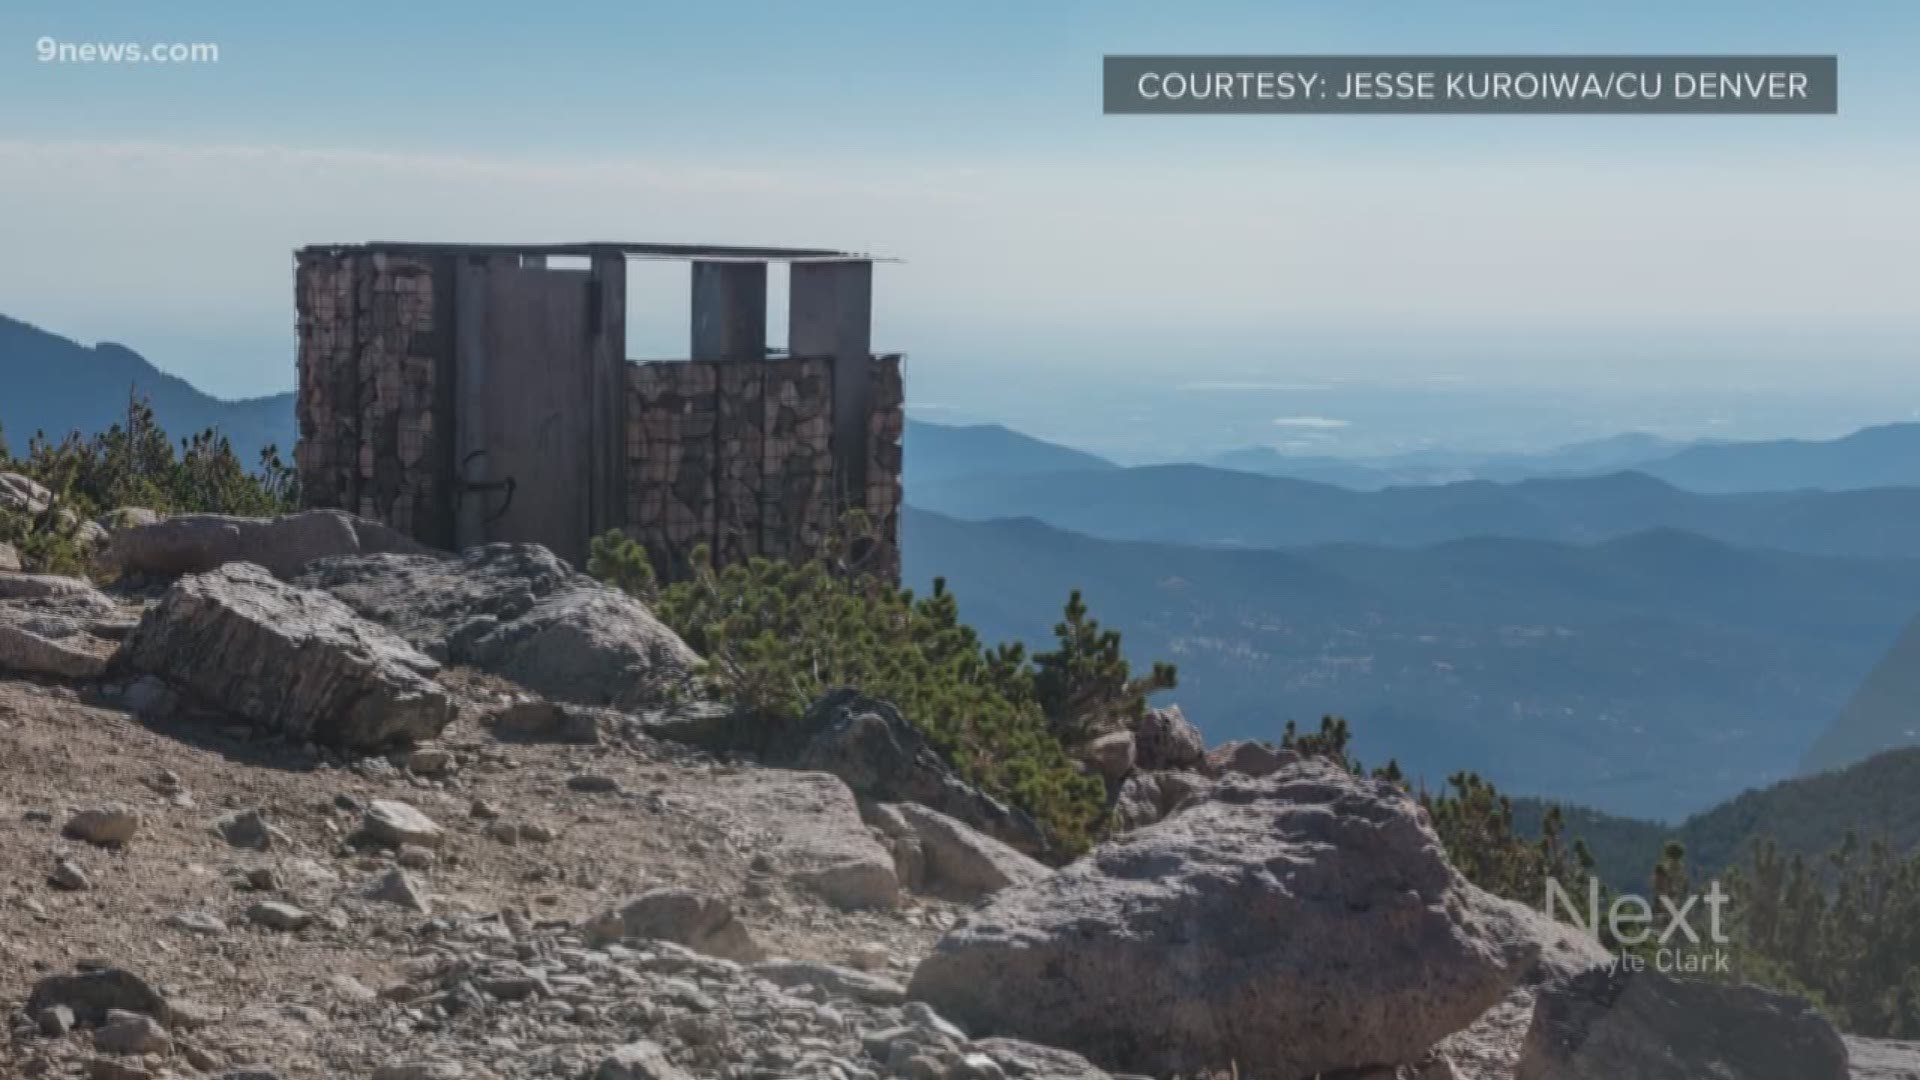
[[525, 421], [830, 314], [607, 314]]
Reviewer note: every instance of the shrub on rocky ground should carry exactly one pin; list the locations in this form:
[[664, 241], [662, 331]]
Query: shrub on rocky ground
[[131, 464], [134, 463], [43, 544], [776, 635]]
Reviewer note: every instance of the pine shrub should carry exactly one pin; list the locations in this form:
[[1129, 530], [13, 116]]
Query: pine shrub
[[777, 635], [134, 464]]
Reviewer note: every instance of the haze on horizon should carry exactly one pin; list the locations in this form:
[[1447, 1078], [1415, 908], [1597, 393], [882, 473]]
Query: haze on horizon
[[1046, 248]]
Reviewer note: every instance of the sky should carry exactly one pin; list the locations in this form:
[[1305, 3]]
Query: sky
[[1042, 244]]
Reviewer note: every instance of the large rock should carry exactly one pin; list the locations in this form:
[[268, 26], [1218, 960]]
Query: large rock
[[809, 827], [520, 612], [961, 864], [91, 995], [197, 543], [865, 742], [288, 659], [1166, 739], [55, 625], [76, 656], [1612, 1023], [21, 494], [685, 917], [51, 592], [1306, 922]]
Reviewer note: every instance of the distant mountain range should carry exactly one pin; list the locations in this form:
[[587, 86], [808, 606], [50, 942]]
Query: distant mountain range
[[1877, 799], [1611, 454], [1650, 675], [1198, 504], [56, 385], [937, 454], [1834, 512], [1884, 456]]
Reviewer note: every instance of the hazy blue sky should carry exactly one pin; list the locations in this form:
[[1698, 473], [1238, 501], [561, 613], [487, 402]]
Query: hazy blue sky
[[159, 205]]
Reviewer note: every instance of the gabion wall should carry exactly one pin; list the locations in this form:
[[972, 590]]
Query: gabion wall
[[736, 455], [372, 335]]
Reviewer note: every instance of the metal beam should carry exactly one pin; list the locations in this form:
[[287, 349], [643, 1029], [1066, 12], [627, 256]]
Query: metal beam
[[830, 314]]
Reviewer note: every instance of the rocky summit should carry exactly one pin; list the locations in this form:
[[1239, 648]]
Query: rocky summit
[[289, 800], [1300, 923]]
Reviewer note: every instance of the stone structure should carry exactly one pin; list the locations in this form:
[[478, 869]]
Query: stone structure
[[468, 394], [367, 366]]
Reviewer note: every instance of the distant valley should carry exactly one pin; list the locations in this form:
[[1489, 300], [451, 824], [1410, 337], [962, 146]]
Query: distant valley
[[1651, 675], [1201, 505]]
